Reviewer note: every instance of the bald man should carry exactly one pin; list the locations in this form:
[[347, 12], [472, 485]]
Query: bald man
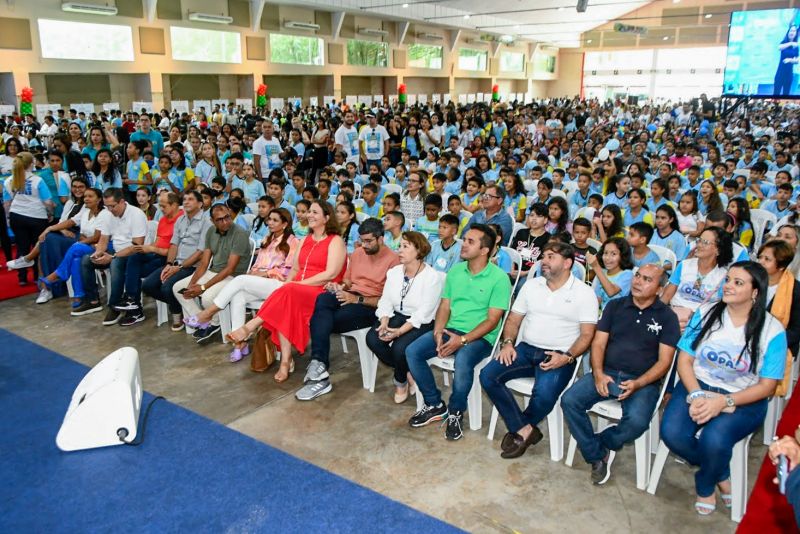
[[632, 351]]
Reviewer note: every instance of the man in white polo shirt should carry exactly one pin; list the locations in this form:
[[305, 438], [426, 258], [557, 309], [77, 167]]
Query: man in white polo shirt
[[554, 318], [124, 226]]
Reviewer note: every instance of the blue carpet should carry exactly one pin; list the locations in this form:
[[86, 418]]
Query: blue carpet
[[190, 474]]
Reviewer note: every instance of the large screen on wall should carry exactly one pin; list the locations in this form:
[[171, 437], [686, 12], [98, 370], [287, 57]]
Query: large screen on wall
[[62, 39], [763, 54], [192, 44]]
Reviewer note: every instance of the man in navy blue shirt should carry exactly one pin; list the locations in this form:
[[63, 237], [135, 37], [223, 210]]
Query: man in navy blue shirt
[[632, 351]]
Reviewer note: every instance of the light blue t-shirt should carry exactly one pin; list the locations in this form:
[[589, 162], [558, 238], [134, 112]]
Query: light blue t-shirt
[[442, 260], [721, 360], [622, 280], [649, 258], [674, 241]]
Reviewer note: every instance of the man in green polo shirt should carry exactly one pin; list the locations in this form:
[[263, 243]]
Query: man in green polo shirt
[[226, 254], [476, 294]]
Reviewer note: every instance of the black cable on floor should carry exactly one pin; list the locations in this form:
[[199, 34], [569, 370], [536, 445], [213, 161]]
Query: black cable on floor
[[123, 432]]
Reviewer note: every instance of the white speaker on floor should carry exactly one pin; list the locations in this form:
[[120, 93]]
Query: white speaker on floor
[[105, 404]]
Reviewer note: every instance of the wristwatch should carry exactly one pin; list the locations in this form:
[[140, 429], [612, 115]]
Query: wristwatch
[[464, 341], [202, 287], [360, 299], [569, 356], [506, 341], [729, 402], [176, 263]]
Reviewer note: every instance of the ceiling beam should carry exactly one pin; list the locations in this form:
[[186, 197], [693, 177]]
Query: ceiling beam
[[452, 38], [337, 21], [494, 47], [256, 9], [150, 9], [402, 30]]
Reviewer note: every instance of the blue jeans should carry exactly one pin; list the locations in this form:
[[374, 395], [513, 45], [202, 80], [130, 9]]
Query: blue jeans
[[331, 317], [637, 411], [712, 450], [51, 253], [117, 269], [70, 267], [466, 358], [140, 266], [547, 386], [152, 286]]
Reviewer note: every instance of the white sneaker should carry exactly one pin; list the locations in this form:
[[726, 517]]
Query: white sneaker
[[45, 295], [20, 263]]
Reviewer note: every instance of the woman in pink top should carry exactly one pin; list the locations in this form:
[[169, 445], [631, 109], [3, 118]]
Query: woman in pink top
[[267, 274]]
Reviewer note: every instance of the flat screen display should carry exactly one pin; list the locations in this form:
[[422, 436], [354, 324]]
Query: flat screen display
[[763, 57], [62, 39]]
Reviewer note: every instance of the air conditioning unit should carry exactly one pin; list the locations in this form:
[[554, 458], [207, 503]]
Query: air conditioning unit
[[208, 17], [430, 36], [373, 32], [89, 9], [296, 25]]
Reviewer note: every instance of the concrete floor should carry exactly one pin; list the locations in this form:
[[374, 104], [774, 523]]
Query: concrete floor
[[365, 438]]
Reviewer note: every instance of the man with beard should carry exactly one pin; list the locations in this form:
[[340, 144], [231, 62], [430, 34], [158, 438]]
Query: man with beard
[[346, 138]]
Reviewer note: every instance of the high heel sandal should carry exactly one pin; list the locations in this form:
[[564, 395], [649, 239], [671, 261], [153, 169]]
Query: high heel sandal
[[240, 347], [281, 378]]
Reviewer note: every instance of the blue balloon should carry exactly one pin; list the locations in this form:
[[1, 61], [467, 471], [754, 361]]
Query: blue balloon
[[652, 128], [703, 130], [622, 122], [704, 124]]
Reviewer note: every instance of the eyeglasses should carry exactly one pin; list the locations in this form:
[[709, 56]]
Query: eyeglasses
[[222, 219], [706, 242], [487, 196]]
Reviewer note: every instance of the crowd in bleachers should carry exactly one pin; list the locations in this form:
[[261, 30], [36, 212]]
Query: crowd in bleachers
[[500, 243]]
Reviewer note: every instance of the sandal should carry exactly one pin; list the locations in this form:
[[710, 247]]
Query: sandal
[[239, 353], [192, 322], [279, 378], [727, 498], [703, 508]]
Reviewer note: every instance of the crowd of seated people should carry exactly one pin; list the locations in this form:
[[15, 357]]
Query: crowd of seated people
[[511, 244]]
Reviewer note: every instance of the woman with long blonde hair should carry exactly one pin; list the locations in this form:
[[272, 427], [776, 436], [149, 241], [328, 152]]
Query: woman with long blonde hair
[[28, 201]]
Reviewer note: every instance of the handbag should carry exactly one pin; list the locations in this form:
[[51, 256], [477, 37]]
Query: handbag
[[263, 352]]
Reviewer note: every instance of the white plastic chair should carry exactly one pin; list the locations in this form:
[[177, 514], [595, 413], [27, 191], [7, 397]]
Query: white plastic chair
[[393, 188], [570, 187], [356, 190], [665, 255], [558, 193], [770, 176], [742, 172], [368, 360], [253, 207], [530, 185], [610, 411], [555, 419], [738, 468], [361, 217], [248, 218], [594, 243], [152, 229], [517, 227], [760, 218]]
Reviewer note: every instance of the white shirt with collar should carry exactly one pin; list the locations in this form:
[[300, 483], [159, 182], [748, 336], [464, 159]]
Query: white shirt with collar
[[123, 230], [553, 318]]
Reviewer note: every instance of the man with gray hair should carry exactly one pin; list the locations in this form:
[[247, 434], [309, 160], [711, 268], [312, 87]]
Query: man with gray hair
[[347, 306], [632, 352], [492, 212]]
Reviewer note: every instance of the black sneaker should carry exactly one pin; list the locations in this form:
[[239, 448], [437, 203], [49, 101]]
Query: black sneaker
[[86, 308], [112, 317], [428, 414], [132, 317], [454, 431], [601, 471], [204, 334], [127, 305]]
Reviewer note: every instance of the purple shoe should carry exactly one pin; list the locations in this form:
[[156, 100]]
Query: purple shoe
[[237, 353], [192, 322]]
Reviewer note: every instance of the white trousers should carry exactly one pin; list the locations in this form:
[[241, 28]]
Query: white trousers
[[241, 290], [190, 306]]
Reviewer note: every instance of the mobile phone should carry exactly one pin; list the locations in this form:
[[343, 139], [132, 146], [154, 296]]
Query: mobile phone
[[181, 291], [614, 390], [547, 359], [783, 473]]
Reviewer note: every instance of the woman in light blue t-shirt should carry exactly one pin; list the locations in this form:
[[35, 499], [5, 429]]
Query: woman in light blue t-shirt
[[731, 358]]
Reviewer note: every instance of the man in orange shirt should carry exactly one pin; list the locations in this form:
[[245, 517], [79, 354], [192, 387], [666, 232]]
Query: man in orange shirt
[[347, 306]]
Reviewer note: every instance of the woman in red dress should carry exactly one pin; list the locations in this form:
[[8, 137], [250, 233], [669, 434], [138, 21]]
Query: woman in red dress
[[287, 312]]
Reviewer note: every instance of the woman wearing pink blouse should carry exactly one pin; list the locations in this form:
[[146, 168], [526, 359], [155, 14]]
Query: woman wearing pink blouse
[[272, 265]]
